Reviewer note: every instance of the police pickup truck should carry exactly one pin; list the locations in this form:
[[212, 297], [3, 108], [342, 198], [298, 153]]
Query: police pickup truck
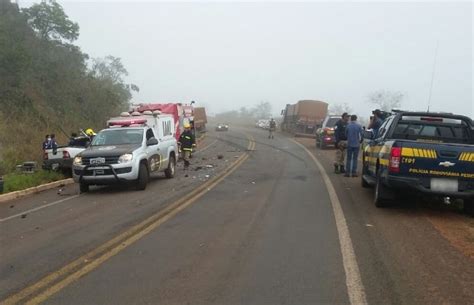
[[424, 152], [134, 147]]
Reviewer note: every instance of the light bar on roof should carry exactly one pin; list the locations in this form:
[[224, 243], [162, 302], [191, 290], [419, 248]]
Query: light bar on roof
[[128, 122]]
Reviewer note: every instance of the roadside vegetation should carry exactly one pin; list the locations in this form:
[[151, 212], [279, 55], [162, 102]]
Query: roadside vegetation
[[48, 85], [20, 181]]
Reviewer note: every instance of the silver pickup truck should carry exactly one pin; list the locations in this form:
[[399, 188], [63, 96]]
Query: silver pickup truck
[[131, 150]]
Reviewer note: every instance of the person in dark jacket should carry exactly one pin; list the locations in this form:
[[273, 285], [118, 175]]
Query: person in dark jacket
[[47, 142], [187, 142], [272, 128], [341, 143], [376, 122]]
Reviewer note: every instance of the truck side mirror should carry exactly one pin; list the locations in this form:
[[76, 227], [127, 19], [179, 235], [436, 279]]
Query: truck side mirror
[[151, 142], [368, 134]]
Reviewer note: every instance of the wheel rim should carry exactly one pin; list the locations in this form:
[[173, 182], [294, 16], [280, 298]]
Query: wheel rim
[[172, 166]]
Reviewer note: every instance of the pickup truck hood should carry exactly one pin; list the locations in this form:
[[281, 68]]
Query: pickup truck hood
[[109, 150]]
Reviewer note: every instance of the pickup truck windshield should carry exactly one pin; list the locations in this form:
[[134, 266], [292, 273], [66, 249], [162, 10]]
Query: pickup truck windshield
[[118, 137], [435, 129]]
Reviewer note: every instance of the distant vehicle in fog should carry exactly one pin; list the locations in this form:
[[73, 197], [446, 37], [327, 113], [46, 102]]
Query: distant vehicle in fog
[[302, 118], [222, 127], [262, 123]]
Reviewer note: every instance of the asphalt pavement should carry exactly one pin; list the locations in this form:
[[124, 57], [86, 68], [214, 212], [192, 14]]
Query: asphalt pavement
[[254, 221]]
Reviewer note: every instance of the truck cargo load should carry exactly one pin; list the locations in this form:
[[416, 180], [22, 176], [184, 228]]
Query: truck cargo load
[[200, 118], [304, 117]]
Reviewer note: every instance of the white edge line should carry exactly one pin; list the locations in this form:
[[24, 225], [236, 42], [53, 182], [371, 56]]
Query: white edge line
[[38, 208], [355, 287]]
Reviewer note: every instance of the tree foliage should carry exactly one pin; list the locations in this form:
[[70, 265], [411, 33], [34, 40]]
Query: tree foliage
[[50, 21], [386, 100], [262, 110], [47, 85]]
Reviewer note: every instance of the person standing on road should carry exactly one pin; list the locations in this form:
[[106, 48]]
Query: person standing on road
[[271, 128], [341, 143], [354, 138], [187, 142], [376, 122]]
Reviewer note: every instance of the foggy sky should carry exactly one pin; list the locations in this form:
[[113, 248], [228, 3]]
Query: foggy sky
[[228, 55]]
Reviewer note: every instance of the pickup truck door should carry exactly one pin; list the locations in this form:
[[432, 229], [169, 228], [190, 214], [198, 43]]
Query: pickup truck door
[[152, 151], [377, 149]]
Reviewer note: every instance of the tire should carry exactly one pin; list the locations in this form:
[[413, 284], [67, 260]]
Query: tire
[[364, 183], [142, 180], [322, 145], [83, 187], [468, 207], [381, 194], [170, 171]]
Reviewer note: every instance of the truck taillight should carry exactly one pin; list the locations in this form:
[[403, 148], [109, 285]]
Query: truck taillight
[[45, 156], [66, 155], [395, 158]]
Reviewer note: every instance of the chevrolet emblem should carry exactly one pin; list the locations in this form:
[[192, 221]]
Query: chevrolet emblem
[[446, 164]]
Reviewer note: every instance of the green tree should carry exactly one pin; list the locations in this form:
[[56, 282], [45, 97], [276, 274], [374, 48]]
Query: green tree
[[109, 68], [50, 21], [46, 85]]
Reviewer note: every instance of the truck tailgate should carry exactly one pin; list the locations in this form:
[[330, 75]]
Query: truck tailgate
[[437, 160]]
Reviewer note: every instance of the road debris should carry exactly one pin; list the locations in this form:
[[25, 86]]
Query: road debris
[[220, 157], [23, 215]]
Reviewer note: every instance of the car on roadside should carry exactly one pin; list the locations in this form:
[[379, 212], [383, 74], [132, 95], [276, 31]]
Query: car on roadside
[[421, 152], [325, 134], [222, 127], [61, 158], [131, 150]]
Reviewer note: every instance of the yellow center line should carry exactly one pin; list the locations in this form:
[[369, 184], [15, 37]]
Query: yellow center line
[[86, 263]]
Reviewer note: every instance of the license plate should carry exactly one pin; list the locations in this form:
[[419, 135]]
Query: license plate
[[55, 166], [444, 185], [97, 161], [99, 172]]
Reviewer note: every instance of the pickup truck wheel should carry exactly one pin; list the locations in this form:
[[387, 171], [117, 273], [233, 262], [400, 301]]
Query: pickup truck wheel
[[322, 145], [170, 171], [83, 187], [468, 207], [364, 172], [142, 180], [364, 183], [381, 196]]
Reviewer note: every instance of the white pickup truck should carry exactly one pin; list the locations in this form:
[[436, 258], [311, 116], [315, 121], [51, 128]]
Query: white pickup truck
[[60, 159], [134, 148]]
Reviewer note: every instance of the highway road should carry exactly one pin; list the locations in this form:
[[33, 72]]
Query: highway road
[[254, 221]]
